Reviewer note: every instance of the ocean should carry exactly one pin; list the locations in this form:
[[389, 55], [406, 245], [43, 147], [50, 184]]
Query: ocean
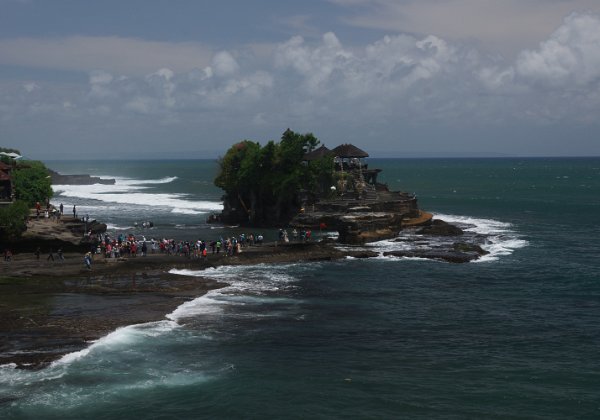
[[513, 335]]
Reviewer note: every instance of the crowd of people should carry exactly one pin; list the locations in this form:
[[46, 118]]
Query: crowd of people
[[131, 246], [302, 235]]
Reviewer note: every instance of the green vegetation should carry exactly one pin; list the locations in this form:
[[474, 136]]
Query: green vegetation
[[12, 219], [32, 182], [268, 185]]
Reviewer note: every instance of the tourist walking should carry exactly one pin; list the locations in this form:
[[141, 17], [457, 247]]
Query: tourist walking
[[74, 212], [50, 255], [87, 259]]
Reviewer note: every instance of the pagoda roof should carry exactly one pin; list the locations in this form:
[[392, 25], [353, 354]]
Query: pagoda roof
[[317, 153], [349, 151]]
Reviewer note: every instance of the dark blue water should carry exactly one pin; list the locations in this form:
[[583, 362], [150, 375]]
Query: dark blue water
[[514, 336]]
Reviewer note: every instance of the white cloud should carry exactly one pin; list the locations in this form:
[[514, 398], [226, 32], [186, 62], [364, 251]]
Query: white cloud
[[30, 86], [396, 83], [141, 104], [570, 56], [165, 87], [224, 65], [507, 26]]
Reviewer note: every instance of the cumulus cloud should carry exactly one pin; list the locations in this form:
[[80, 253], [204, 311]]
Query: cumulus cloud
[[224, 65], [570, 56], [506, 26], [30, 86], [396, 82]]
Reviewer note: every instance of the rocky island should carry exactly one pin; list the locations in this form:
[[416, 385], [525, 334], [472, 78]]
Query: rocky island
[[288, 185], [79, 179]]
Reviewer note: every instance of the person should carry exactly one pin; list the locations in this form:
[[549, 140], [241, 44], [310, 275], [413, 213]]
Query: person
[[61, 208], [7, 255], [74, 212], [37, 253], [60, 254], [50, 255], [87, 259]]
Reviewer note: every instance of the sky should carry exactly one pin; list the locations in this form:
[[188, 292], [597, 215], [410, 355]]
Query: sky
[[122, 79]]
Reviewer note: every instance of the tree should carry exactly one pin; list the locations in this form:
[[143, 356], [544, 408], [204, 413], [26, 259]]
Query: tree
[[12, 220], [263, 185], [31, 182]]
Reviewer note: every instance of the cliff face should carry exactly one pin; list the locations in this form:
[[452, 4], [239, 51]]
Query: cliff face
[[363, 221], [67, 233]]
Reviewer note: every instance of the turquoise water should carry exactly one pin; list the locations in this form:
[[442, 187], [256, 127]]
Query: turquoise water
[[513, 336]]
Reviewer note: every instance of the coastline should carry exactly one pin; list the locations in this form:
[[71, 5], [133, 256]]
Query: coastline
[[51, 308]]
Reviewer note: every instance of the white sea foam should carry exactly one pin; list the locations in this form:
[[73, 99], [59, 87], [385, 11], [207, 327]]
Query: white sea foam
[[164, 180], [247, 285], [128, 191], [186, 211], [110, 226], [498, 238], [501, 238], [122, 337], [8, 366], [203, 305]]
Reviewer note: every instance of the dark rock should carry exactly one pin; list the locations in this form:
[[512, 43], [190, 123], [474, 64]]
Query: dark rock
[[363, 254], [440, 228], [465, 247], [444, 255], [58, 179]]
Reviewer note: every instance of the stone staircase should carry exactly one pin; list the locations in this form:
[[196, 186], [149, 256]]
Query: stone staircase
[[369, 193]]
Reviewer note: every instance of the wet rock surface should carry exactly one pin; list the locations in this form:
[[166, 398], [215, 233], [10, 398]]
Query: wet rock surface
[[50, 308], [439, 227]]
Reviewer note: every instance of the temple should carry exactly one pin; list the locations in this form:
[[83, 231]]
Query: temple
[[359, 207]]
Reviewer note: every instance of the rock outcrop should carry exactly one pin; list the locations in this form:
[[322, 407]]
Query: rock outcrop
[[58, 179], [362, 221], [68, 234], [440, 228]]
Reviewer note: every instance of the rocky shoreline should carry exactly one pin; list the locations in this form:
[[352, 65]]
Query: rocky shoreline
[[50, 308]]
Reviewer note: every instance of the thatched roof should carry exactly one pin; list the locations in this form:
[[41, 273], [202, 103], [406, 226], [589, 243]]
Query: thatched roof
[[317, 153], [349, 151]]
